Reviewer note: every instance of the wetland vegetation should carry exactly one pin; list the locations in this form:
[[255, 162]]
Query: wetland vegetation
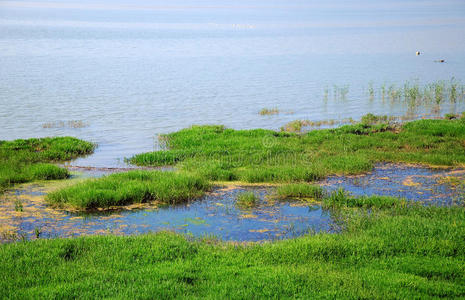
[[381, 247], [130, 187], [221, 154], [395, 251], [26, 160]]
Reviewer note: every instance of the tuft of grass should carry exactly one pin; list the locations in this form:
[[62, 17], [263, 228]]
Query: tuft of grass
[[130, 187], [247, 199], [341, 198], [371, 119], [18, 205], [269, 111], [450, 116], [300, 190]]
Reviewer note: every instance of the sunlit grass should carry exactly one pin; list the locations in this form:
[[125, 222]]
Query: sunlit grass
[[26, 160], [130, 187], [403, 251], [221, 154], [247, 199]]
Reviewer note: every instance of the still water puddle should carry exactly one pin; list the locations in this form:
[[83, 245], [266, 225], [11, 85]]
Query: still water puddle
[[215, 214], [24, 214], [415, 183]]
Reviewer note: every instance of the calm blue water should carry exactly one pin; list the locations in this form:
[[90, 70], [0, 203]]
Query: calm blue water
[[216, 214], [132, 69]]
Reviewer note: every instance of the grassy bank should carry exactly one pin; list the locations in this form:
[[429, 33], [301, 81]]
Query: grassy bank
[[397, 252], [27, 160], [261, 155], [130, 187]]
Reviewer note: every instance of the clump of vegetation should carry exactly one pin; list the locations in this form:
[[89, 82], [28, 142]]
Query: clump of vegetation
[[341, 198], [371, 119], [450, 116], [130, 187], [269, 111], [415, 96], [69, 124], [18, 205], [294, 126], [247, 199], [218, 153], [301, 191], [26, 160]]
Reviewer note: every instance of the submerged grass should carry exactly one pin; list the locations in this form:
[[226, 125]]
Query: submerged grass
[[409, 252], [300, 190], [341, 198], [26, 160], [269, 111], [258, 155], [130, 187], [247, 199]]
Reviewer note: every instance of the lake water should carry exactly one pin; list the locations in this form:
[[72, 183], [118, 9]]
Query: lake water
[[129, 70]]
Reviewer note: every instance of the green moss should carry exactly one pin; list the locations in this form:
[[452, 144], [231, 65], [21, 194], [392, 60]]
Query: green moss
[[130, 187]]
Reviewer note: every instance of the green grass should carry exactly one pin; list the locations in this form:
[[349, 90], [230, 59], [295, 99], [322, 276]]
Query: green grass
[[408, 252], [341, 198], [130, 187], [258, 155], [247, 199], [300, 190], [27, 160]]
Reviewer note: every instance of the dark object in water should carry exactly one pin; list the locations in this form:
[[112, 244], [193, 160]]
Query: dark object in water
[[417, 53], [440, 60]]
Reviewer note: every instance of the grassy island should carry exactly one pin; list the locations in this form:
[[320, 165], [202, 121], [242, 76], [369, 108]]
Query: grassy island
[[221, 154]]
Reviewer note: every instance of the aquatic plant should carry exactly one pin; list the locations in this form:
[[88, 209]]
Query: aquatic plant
[[18, 205], [371, 119], [130, 187], [300, 190], [269, 111], [341, 198], [247, 199], [371, 91]]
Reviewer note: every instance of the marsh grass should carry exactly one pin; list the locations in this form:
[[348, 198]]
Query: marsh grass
[[414, 96], [26, 160], [68, 124], [130, 187], [258, 155], [269, 111], [341, 198], [247, 199], [300, 191], [18, 205], [408, 252]]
